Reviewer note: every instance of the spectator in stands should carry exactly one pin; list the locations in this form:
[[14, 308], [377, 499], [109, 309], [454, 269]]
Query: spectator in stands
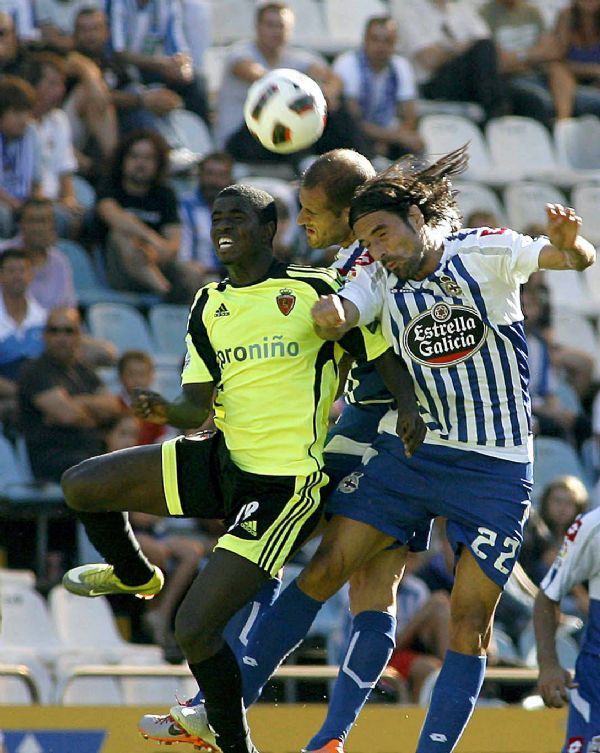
[[148, 34], [538, 82], [215, 172], [578, 35], [22, 13], [380, 89], [46, 72], [482, 218], [552, 416], [454, 56], [12, 53], [136, 371], [20, 150], [62, 403], [56, 20], [249, 60], [136, 105], [22, 321], [139, 219], [52, 284]]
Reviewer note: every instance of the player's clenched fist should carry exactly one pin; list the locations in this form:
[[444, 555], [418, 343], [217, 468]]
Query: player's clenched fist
[[328, 312], [150, 406]]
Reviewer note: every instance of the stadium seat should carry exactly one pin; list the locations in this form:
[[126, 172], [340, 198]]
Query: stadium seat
[[346, 19], [442, 133], [231, 20], [525, 203], [522, 148], [185, 130], [553, 458], [167, 382], [14, 691], [88, 626], [310, 29], [168, 323], [473, 197], [573, 329], [577, 143], [17, 578], [591, 276], [569, 292], [586, 201], [16, 484], [122, 324]]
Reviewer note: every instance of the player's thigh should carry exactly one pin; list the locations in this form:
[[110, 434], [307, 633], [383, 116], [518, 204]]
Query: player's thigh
[[129, 479], [374, 585], [346, 546], [472, 605]]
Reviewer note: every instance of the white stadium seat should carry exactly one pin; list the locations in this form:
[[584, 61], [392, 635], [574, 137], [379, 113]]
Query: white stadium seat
[[525, 203], [346, 19], [231, 20], [578, 144], [168, 323], [443, 133], [569, 292], [553, 458], [522, 148], [586, 202], [310, 28], [122, 324], [474, 197]]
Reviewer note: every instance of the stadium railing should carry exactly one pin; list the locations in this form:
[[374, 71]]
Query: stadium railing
[[22, 673]]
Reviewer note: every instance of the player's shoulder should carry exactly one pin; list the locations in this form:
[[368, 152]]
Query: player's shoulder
[[584, 528], [323, 280]]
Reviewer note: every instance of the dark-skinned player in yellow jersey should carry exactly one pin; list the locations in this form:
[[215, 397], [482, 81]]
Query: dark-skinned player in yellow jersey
[[251, 344]]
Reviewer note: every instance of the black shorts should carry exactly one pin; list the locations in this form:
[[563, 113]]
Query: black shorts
[[267, 517]]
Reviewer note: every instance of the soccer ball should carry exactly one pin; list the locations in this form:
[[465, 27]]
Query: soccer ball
[[285, 110]]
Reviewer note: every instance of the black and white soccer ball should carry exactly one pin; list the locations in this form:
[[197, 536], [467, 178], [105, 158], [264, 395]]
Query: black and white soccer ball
[[285, 110]]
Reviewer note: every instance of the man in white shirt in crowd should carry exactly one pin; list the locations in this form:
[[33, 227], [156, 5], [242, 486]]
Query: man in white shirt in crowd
[[380, 90], [454, 56]]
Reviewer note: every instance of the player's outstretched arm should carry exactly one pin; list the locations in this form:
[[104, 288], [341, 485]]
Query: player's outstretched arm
[[568, 249], [553, 680], [189, 410], [334, 316], [410, 426]]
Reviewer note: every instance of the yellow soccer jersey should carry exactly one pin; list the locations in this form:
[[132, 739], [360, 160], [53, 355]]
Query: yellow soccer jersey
[[276, 379]]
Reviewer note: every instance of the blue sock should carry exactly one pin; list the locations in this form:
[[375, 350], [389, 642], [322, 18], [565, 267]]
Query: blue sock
[[274, 636], [371, 644], [237, 630], [452, 702]]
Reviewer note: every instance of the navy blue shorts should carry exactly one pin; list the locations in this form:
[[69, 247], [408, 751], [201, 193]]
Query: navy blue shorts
[[583, 726], [485, 500]]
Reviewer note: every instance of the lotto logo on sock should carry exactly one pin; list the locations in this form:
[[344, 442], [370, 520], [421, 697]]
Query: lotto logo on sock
[[594, 745], [438, 737], [575, 745], [250, 661]]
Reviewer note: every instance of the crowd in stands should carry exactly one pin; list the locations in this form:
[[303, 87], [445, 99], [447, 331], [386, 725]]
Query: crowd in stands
[[96, 173]]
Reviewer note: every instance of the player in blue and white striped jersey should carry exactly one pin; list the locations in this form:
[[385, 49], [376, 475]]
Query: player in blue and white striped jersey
[[449, 304], [577, 562]]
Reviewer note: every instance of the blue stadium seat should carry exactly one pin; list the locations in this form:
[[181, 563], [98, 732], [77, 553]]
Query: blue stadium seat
[[553, 458], [168, 323]]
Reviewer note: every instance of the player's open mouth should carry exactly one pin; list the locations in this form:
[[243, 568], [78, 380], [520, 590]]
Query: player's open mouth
[[225, 242]]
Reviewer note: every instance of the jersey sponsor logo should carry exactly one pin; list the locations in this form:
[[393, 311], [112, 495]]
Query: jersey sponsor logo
[[286, 301], [445, 335], [493, 231], [574, 745], [350, 483], [270, 347], [222, 311]]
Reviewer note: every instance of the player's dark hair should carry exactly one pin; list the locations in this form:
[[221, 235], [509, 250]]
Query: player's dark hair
[[12, 253], [339, 173], [407, 183], [380, 21], [261, 202], [134, 355]]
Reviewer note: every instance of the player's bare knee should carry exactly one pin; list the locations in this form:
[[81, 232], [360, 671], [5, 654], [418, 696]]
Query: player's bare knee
[[324, 575], [77, 489]]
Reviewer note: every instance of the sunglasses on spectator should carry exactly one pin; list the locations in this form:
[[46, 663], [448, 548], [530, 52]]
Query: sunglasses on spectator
[[51, 330]]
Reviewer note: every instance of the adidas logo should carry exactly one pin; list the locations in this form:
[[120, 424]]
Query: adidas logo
[[222, 310], [249, 526]]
